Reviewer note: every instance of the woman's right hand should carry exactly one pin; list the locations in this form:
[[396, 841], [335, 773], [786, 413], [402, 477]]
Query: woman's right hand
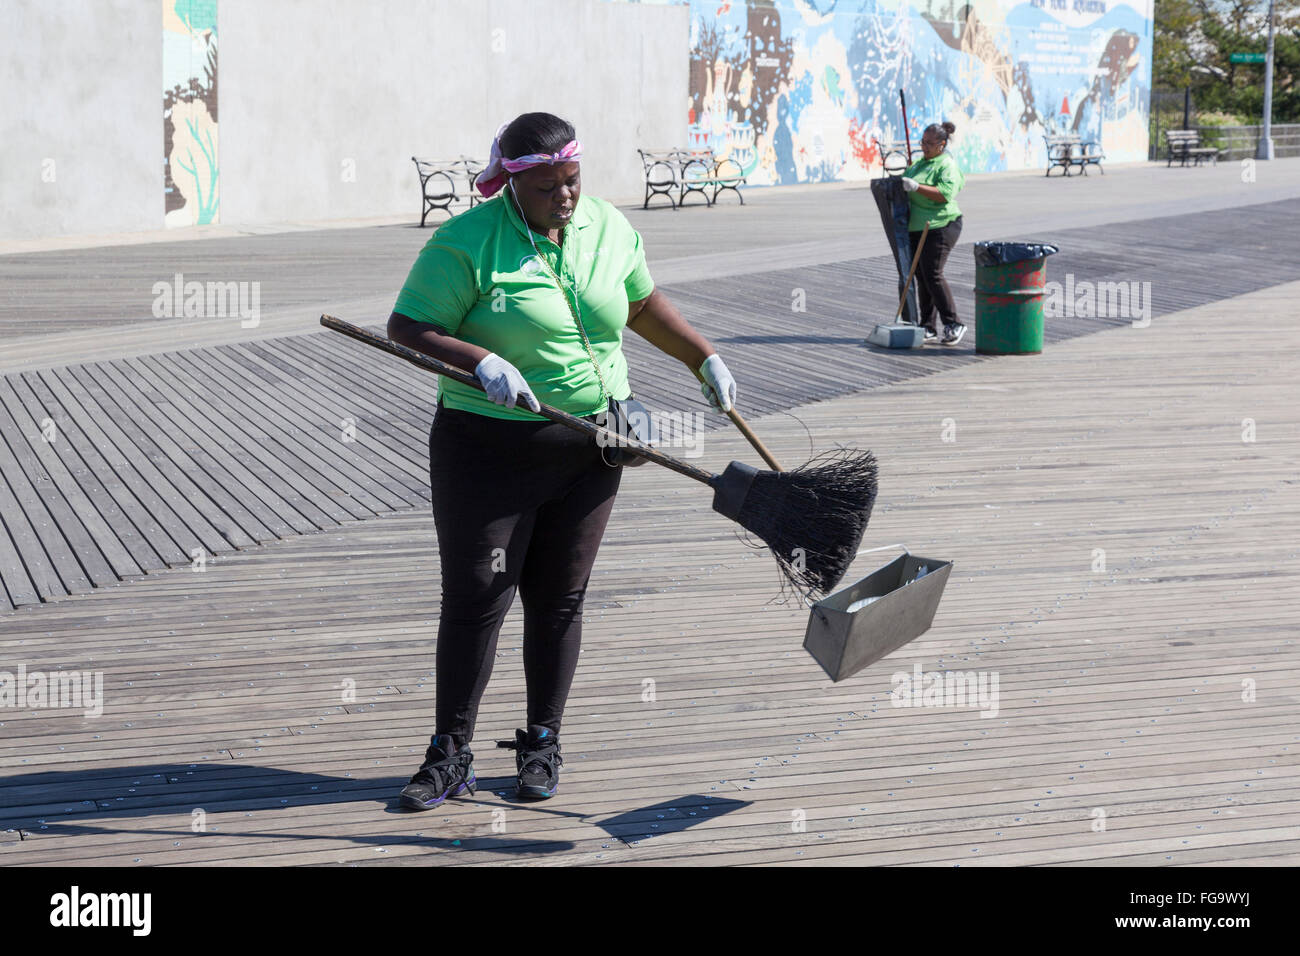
[[504, 383]]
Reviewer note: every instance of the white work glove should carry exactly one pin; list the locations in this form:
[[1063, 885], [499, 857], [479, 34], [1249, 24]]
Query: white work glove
[[717, 382], [504, 383], [909, 185]]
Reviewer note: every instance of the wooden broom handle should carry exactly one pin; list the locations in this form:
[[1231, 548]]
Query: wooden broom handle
[[554, 414], [754, 440], [748, 433], [911, 272]]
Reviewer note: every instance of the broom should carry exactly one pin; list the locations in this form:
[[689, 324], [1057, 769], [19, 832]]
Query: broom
[[907, 285], [812, 518]]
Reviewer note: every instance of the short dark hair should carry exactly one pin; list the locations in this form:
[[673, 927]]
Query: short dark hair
[[536, 133], [942, 130]]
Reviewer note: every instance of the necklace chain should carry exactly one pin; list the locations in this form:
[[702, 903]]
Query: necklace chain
[[573, 308]]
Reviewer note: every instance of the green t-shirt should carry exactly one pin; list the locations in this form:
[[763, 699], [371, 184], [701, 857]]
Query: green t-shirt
[[944, 175], [477, 279]]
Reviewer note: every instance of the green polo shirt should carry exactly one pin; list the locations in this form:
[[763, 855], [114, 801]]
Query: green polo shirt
[[477, 279], [944, 175]]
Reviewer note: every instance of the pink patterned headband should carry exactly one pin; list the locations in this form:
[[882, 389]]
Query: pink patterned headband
[[492, 178]]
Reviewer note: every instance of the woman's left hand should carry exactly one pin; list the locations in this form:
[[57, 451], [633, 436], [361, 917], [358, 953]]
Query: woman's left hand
[[717, 383]]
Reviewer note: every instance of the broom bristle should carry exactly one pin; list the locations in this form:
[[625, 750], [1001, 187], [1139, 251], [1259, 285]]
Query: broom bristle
[[813, 518]]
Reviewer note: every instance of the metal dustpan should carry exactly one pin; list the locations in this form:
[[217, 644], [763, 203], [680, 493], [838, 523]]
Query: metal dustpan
[[860, 624], [900, 335]]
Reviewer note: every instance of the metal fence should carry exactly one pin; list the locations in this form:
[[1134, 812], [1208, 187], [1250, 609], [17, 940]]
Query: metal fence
[[1240, 142], [1167, 110]]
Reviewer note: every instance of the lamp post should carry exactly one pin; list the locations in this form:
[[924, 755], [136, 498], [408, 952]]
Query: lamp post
[[1265, 148]]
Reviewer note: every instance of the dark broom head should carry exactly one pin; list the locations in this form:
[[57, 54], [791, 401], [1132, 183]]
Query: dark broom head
[[813, 518]]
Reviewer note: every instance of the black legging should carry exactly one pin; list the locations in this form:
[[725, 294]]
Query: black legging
[[517, 505], [937, 305]]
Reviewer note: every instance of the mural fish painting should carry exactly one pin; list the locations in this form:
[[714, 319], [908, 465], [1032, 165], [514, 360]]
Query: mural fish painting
[[805, 90]]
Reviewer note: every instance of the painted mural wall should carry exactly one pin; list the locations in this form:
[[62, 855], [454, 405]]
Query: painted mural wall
[[807, 90], [191, 194]]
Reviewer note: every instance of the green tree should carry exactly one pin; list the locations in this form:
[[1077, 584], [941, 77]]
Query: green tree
[[1193, 43]]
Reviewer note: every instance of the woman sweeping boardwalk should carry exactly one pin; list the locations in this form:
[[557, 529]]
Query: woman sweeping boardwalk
[[531, 292], [932, 184]]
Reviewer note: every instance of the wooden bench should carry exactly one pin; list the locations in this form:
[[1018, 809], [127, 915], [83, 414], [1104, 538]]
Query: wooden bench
[[444, 182], [1067, 151], [686, 171], [1185, 144]]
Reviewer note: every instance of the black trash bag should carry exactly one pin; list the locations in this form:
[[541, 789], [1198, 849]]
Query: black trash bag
[[891, 200], [1001, 253]]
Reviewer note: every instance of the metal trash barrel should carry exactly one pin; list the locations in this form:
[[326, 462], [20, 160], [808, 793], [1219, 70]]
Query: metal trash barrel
[[1009, 282]]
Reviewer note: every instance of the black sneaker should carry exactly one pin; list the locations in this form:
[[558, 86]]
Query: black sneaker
[[931, 336], [537, 762], [953, 333], [446, 772]]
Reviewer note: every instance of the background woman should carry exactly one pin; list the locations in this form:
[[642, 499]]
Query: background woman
[[932, 184], [514, 291]]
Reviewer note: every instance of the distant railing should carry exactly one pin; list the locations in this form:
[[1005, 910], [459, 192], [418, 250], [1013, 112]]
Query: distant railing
[[1240, 142]]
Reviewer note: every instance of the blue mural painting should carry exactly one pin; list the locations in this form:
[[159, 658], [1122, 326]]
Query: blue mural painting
[[807, 90]]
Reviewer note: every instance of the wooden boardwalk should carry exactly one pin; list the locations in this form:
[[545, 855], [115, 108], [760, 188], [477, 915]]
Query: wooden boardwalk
[[1157, 696], [115, 468]]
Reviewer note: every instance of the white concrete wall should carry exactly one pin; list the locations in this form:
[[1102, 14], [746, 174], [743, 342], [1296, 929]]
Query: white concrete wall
[[81, 102], [309, 85]]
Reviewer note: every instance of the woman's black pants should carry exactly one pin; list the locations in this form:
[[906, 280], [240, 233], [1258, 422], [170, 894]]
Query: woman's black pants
[[937, 306], [518, 505]]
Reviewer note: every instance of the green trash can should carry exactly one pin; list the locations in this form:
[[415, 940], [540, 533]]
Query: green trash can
[[1009, 282]]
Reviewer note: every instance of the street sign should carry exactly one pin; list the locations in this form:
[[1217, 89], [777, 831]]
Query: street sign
[[1246, 58]]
